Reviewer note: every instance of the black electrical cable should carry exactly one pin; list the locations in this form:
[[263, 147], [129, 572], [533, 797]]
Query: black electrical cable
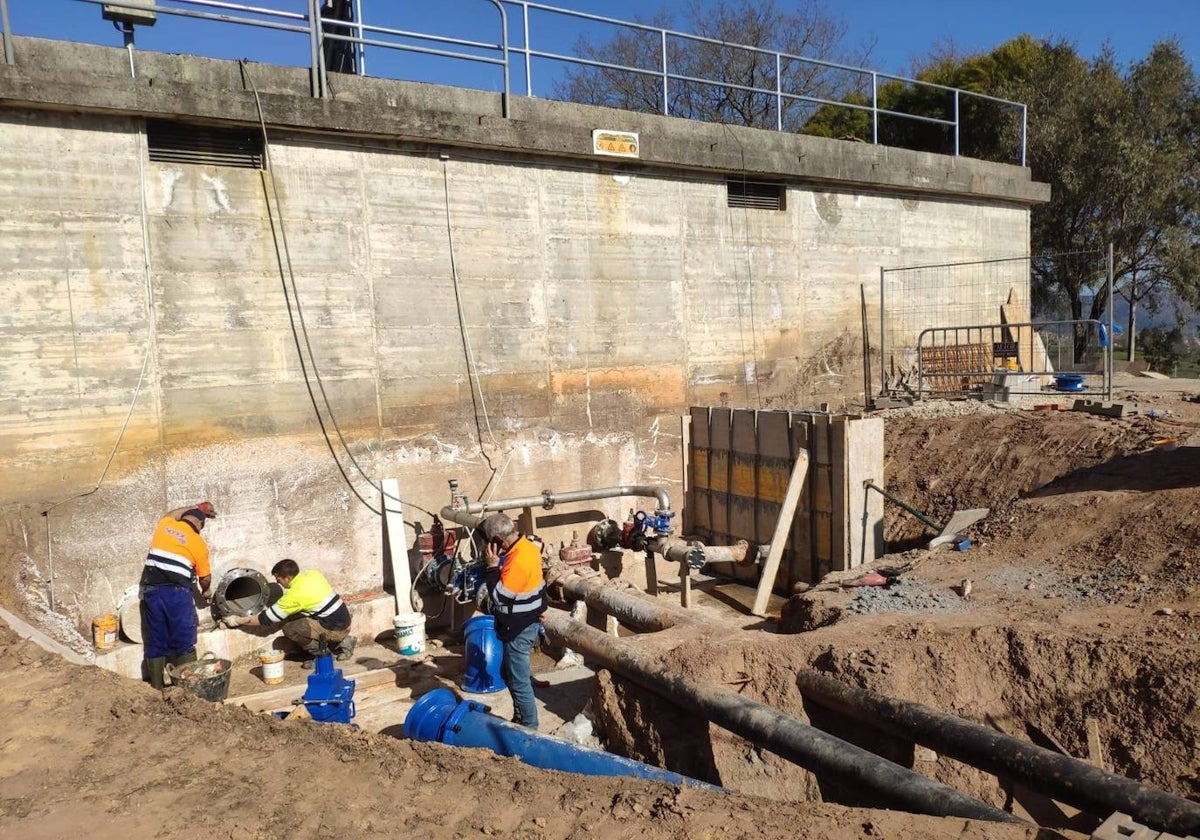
[[282, 255]]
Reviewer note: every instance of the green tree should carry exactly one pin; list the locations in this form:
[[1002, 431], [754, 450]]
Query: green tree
[[728, 66], [1120, 150]]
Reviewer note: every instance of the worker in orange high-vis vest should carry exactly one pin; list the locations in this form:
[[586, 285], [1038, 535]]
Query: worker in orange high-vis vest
[[513, 576], [175, 564]]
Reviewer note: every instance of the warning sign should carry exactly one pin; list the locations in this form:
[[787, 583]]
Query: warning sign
[[616, 143]]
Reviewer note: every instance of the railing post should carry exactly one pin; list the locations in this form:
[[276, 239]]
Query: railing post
[[314, 49], [778, 92], [1024, 130], [875, 111], [504, 50], [666, 92], [361, 64], [6, 32], [528, 62], [956, 112]]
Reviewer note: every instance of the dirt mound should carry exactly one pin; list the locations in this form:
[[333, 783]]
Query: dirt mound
[[992, 459], [85, 751]]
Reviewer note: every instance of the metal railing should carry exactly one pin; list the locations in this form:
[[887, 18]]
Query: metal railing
[[1064, 357], [502, 55]]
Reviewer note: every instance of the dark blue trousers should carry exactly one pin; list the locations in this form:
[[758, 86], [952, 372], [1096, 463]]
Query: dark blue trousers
[[168, 621]]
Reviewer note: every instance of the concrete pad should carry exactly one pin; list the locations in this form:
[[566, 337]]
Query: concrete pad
[[373, 614]]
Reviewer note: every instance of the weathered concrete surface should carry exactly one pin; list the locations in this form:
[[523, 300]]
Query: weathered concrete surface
[[599, 301]]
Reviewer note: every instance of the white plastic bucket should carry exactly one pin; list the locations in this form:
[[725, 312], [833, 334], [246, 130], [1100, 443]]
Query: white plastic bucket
[[410, 633], [272, 666]]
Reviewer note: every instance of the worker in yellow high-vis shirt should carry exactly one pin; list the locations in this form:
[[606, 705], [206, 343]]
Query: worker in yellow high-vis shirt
[[308, 611]]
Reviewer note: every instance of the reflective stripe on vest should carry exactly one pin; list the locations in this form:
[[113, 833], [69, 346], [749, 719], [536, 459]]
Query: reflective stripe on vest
[[175, 565], [518, 602]]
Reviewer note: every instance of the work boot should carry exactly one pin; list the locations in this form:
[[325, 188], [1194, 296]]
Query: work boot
[[155, 672], [314, 649], [345, 648]]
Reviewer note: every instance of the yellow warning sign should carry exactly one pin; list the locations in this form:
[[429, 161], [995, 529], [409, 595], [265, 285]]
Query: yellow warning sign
[[616, 143]]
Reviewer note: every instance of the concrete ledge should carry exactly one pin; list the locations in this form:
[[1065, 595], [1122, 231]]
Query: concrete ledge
[[81, 77], [373, 613]]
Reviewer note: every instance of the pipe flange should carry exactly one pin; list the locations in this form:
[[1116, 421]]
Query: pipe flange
[[242, 592]]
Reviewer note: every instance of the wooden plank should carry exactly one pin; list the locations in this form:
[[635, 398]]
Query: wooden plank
[[720, 429], [1016, 311], [839, 515], [800, 567], [395, 547], [782, 527], [701, 474], [1095, 747], [774, 470], [685, 454]]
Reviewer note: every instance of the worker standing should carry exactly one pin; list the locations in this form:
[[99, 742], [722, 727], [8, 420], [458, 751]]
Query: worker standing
[[176, 562], [517, 595], [313, 616]]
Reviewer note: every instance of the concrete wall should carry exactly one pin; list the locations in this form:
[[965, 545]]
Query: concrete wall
[[599, 300]]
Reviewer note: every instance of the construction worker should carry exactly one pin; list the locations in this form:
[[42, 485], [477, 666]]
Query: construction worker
[[517, 598], [176, 562], [313, 616]]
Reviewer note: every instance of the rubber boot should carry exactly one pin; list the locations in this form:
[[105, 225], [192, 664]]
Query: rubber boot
[[345, 648], [315, 649], [155, 669]]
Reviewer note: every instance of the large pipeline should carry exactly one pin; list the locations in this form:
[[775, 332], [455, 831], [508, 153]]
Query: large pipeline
[[1066, 779], [817, 751], [440, 716], [632, 609]]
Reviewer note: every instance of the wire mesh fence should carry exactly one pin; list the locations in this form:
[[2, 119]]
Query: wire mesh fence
[[978, 328]]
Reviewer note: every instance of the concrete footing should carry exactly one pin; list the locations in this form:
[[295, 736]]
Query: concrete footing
[[373, 613]]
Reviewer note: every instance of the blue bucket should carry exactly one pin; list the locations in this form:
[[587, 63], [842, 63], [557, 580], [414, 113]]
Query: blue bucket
[[1068, 382], [485, 653]]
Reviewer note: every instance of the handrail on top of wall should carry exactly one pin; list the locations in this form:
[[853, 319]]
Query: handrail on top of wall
[[361, 35]]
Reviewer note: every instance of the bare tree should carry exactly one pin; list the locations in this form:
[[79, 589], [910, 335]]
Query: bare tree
[[709, 76]]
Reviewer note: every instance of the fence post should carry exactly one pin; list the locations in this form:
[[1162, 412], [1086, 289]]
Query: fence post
[[884, 385], [1108, 374]]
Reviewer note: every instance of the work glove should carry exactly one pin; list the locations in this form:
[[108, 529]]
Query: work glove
[[207, 509], [232, 621]]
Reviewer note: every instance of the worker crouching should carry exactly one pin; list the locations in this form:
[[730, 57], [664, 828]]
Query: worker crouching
[[312, 615]]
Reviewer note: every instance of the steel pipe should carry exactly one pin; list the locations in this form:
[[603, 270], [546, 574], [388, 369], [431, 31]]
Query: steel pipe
[[548, 498], [1066, 779], [823, 754], [634, 610]]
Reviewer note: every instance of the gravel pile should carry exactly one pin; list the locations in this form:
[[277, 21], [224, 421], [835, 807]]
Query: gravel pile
[[905, 595]]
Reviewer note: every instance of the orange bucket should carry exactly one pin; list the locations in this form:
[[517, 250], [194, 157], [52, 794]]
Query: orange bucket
[[104, 632]]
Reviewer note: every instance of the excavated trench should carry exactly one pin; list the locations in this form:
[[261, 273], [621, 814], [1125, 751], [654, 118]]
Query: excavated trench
[[1035, 683], [1035, 664]]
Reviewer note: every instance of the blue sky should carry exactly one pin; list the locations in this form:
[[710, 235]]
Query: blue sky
[[900, 30]]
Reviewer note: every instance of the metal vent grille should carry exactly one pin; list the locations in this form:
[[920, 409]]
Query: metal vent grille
[[173, 142], [755, 195]]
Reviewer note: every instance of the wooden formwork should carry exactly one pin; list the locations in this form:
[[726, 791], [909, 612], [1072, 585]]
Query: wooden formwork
[[738, 464]]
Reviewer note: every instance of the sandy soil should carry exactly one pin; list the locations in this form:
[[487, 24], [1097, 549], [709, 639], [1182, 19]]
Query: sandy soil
[[1084, 606]]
